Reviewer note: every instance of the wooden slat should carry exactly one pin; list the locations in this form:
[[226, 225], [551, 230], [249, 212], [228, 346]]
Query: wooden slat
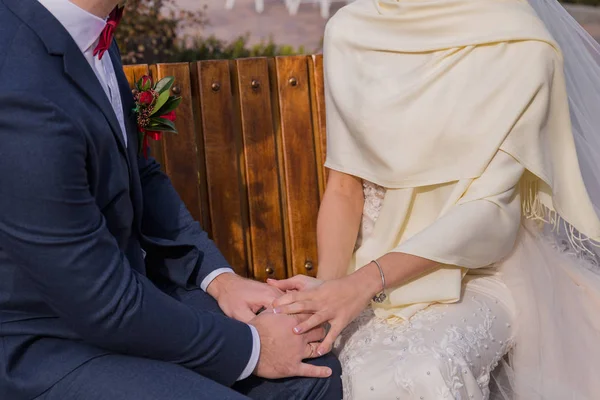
[[315, 63], [202, 179], [180, 153], [222, 149], [135, 72], [260, 158], [299, 162]]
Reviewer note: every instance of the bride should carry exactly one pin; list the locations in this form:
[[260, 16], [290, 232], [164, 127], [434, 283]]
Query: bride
[[464, 155]]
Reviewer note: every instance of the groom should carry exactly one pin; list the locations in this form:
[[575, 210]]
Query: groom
[[108, 288]]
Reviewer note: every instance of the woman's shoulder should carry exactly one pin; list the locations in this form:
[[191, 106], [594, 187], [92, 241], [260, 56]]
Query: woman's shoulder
[[537, 57], [511, 62]]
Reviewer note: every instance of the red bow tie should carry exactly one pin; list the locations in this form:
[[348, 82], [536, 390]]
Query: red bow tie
[[108, 32]]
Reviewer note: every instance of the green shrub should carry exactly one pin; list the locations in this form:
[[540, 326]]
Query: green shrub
[[151, 33], [212, 48], [150, 28]]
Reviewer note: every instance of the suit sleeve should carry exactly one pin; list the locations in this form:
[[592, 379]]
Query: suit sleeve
[[52, 228], [177, 245], [482, 227]]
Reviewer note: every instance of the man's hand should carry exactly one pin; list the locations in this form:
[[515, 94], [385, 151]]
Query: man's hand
[[282, 351], [241, 298]]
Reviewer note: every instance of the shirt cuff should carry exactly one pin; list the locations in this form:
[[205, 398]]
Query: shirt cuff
[[211, 277], [254, 356]]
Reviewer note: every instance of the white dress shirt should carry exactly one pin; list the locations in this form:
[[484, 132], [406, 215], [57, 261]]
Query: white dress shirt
[[85, 29]]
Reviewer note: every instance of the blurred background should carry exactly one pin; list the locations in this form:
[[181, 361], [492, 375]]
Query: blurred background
[[155, 31]]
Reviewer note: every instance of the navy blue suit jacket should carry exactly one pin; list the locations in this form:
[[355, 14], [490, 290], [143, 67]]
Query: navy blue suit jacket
[[77, 207]]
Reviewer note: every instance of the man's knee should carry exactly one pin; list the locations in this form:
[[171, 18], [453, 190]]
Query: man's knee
[[331, 387], [331, 361]]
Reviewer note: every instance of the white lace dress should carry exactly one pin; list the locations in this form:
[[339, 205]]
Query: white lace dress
[[445, 351]]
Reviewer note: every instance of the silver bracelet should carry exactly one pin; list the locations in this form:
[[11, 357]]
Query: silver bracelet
[[381, 296]]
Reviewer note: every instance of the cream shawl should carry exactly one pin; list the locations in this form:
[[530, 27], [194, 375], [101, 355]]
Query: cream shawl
[[448, 121]]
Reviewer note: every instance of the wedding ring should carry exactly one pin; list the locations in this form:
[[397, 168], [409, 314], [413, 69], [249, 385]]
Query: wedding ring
[[312, 350], [326, 327]]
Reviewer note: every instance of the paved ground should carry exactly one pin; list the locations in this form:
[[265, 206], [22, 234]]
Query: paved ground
[[307, 27]]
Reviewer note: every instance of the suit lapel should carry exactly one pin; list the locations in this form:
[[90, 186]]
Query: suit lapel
[[127, 101], [77, 67], [132, 132]]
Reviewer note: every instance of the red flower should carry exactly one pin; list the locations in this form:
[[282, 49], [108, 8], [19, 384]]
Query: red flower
[[171, 116], [146, 98], [154, 135], [146, 82]]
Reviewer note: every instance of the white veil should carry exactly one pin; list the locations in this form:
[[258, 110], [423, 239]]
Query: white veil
[[582, 75], [555, 281]]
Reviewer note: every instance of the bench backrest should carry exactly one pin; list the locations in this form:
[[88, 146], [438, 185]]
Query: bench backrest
[[248, 159]]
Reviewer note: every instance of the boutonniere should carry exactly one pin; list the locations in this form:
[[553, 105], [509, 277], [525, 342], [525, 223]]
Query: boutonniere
[[155, 110]]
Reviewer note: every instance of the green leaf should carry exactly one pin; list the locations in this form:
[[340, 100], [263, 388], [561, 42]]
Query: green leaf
[[162, 123], [162, 99], [164, 84], [161, 129], [170, 105]]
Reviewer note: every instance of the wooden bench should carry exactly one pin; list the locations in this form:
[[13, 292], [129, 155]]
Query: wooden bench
[[248, 160]]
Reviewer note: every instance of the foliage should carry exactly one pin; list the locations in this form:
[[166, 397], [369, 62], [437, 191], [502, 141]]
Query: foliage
[[152, 32], [212, 48], [150, 28]]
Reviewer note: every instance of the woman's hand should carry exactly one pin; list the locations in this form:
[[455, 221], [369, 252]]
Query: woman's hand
[[297, 283], [337, 302]]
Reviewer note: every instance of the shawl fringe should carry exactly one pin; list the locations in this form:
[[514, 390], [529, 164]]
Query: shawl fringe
[[534, 209]]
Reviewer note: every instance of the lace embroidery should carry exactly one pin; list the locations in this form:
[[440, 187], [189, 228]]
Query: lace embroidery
[[454, 352], [456, 347], [374, 195]]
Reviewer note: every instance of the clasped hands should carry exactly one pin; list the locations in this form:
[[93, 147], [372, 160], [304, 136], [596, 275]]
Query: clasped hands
[[291, 328], [282, 351], [336, 302]]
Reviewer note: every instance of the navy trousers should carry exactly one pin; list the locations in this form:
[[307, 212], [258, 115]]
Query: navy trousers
[[120, 377]]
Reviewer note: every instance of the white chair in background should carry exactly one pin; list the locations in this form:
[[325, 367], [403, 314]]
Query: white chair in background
[[259, 5], [292, 5]]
